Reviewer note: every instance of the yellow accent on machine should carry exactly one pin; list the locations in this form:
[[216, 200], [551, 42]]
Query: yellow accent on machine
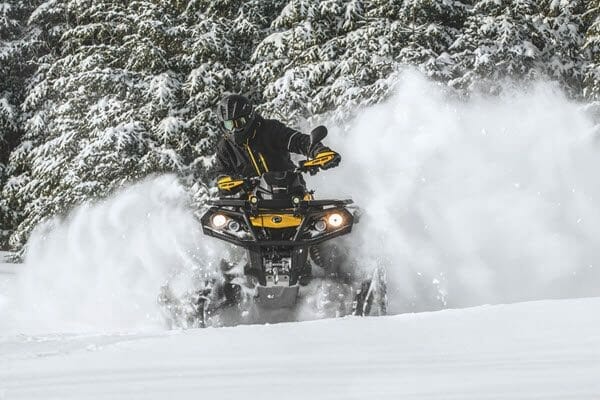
[[275, 221]]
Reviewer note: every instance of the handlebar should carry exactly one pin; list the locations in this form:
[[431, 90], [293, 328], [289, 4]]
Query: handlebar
[[311, 166], [301, 168]]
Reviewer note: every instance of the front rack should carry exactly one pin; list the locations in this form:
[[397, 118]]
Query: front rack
[[277, 204]]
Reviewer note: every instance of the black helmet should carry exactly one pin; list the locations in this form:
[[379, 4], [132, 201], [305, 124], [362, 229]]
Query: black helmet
[[237, 115]]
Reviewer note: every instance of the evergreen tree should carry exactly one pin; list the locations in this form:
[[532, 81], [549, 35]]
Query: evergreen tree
[[592, 47], [130, 90], [500, 39], [111, 106], [19, 48], [561, 25], [13, 71], [432, 27], [5, 213], [99, 93], [334, 55], [290, 60]]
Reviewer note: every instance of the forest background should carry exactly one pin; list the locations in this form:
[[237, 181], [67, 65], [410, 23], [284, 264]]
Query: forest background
[[98, 94]]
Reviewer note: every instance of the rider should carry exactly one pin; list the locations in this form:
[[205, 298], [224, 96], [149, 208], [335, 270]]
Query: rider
[[254, 145]]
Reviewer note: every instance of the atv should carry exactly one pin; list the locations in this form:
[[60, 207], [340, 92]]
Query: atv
[[281, 227]]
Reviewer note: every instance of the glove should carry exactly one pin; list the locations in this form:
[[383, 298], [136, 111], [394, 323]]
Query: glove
[[229, 185], [323, 158], [330, 159]]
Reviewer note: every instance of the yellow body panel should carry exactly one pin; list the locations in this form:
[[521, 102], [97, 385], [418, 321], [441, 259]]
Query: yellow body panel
[[269, 221]]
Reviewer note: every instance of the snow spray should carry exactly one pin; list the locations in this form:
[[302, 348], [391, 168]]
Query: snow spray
[[467, 202], [101, 268]]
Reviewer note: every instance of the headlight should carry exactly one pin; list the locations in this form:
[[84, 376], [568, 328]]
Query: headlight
[[219, 221], [335, 220], [233, 226], [320, 225]]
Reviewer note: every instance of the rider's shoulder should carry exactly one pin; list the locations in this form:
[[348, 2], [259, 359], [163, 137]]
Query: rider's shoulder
[[273, 125], [270, 121]]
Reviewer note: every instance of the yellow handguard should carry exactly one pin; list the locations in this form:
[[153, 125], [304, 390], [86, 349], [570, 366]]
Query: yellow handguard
[[227, 183], [321, 159]]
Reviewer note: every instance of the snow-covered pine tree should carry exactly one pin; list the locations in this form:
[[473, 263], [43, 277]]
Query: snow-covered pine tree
[[10, 29], [290, 61], [14, 70], [561, 26], [111, 107], [19, 48], [125, 89], [500, 40], [5, 213], [130, 90], [432, 27], [335, 55], [592, 49], [59, 125], [323, 55]]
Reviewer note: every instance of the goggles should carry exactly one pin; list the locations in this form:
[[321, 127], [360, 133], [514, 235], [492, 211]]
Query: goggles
[[234, 124]]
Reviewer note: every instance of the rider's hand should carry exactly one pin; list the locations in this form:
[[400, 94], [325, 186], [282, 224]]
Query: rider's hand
[[327, 159], [337, 158], [229, 185]]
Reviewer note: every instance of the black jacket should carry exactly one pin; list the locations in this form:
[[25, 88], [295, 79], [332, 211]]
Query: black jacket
[[267, 149]]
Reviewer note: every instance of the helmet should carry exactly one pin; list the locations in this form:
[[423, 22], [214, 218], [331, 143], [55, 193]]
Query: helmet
[[237, 115]]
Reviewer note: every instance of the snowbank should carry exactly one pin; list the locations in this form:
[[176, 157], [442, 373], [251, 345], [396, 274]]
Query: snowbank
[[538, 350]]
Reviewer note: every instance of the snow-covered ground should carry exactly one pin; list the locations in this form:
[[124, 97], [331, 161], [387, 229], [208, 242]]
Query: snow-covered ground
[[6, 275], [5, 267], [536, 350]]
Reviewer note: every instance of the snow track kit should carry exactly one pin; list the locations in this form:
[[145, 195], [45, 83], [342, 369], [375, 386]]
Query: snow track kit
[[281, 227]]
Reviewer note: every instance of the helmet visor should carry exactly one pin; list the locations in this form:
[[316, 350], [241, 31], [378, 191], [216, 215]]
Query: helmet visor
[[235, 124]]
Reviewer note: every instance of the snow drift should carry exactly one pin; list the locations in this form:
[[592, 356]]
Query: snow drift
[[540, 350], [102, 267], [486, 200]]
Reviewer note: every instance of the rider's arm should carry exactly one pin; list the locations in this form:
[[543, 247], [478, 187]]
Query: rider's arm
[[223, 165], [293, 141], [228, 180], [296, 142], [290, 140]]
